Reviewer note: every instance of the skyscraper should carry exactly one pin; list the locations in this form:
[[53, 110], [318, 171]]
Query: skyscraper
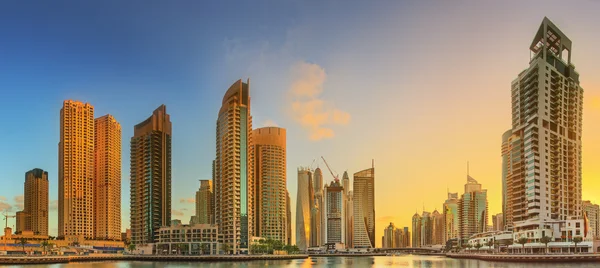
[[150, 176], [437, 226], [268, 152], [288, 213], [406, 238], [506, 151], [334, 208], [364, 208], [317, 210], [497, 222], [547, 109], [350, 220], [233, 168], [303, 205], [472, 210], [76, 170], [451, 217], [204, 203], [592, 213], [416, 231], [347, 210], [107, 178], [426, 229], [35, 206], [388, 236]]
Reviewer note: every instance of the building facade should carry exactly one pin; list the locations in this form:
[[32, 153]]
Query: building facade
[[317, 211], [426, 229], [20, 219], [416, 231], [303, 206], [107, 178], [592, 214], [547, 111], [268, 152], [76, 170], [347, 210], [364, 209], [184, 239], [450, 213], [498, 222], [204, 203], [233, 167], [334, 193], [437, 228], [150, 185], [472, 210], [35, 206], [350, 220], [388, 240], [288, 213]]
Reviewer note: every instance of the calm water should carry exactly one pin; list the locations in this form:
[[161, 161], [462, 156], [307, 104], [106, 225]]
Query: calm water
[[383, 261]]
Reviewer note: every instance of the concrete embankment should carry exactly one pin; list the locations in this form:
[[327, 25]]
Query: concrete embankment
[[4, 260], [529, 258], [347, 255]]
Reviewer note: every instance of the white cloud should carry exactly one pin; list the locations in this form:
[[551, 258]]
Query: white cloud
[[187, 200], [54, 205], [177, 213], [313, 113], [270, 123]]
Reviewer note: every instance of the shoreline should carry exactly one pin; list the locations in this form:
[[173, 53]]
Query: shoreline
[[347, 255], [7, 260], [588, 257]]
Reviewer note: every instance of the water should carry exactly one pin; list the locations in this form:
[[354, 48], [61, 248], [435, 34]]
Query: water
[[379, 261]]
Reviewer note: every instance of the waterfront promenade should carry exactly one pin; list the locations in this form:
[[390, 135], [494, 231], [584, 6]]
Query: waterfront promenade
[[528, 258], [5, 260]]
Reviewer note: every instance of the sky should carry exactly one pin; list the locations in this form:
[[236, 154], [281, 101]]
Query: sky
[[421, 87]]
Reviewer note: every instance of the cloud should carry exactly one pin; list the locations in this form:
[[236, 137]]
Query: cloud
[[386, 219], [19, 202], [2, 198], [54, 205], [187, 200], [177, 213], [5, 206], [313, 113], [270, 123]]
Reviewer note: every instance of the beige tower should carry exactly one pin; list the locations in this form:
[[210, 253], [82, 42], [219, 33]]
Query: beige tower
[[150, 183], [268, 153], [364, 209], [35, 207], [76, 170], [204, 203], [233, 168], [107, 192]]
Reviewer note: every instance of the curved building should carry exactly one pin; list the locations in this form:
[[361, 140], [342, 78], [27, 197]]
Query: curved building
[[268, 152], [318, 211], [364, 209], [233, 168], [303, 207]]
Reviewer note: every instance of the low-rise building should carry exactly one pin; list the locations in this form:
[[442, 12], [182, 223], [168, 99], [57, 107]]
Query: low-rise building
[[185, 239]]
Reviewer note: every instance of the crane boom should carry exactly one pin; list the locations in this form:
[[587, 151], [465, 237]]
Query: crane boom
[[335, 177]]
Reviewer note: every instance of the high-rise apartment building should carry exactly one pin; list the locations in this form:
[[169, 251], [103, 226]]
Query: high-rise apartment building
[[304, 199], [364, 208], [437, 228], [20, 219], [347, 210], [76, 170], [233, 168], [334, 193], [318, 210], [592, 214], [472, 210], [544, 184], [450, 213], [498, 222], [350, 220], [268, 152], [416, 231], [204, 203], [388, 236], [35, 206], [426, 229], [288, 213], [107, 178], [150, 176], [406, 238]]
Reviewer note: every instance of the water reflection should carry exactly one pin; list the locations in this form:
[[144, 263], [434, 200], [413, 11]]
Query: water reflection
[[383, 261]]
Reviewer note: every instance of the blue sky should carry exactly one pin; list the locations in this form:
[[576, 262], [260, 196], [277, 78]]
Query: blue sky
[[422, 88]]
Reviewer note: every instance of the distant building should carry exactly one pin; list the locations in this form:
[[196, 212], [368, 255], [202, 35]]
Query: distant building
[[498, 222], [348, 210], [450, 213], [426, 229], [364, 209], [35, 206], [288, 213], [592, 214], [406, 238], [150, 171], [335, 225], [21, 218], [473, 210], [416, 231], [317, 211], [204, 203], [303, 206], [437, 225], [388, 236], [268, 154]]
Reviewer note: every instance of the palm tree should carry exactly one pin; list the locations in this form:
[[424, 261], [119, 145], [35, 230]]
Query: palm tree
[[490, 244], [577, 240], [131, 247], [203, 248], [23, 242], [522, 241], [45, 244], [225, 248], [468, 246], [546, 240], [478, 246]]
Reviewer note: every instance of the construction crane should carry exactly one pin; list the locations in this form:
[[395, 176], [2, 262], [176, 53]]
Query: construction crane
[[6, 216], [335, 177]]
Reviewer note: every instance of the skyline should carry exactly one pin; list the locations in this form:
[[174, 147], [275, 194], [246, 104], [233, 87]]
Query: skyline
[[423, 133]]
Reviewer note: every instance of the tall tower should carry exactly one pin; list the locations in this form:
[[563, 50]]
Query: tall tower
[[364, 208], [233, 168], [450, 214], [107, 167], [472, 210], [547, 108], [303, 205], [204, 203], [334, 209], [150, 176], [35, 207], [317, 210], [268, 153], [346, 213], [416, 231], [76, 170], [288, 213]]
